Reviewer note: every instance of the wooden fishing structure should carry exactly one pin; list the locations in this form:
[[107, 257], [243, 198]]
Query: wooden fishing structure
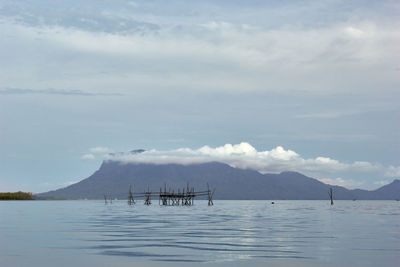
[[172, 198]]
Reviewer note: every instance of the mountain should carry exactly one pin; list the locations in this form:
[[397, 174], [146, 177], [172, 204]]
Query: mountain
[[114, 178]]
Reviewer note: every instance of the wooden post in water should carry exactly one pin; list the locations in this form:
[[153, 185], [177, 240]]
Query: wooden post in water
[[105, 199], [210, 195], [192, 195], [130, 199], [148, 197], [331, 195]]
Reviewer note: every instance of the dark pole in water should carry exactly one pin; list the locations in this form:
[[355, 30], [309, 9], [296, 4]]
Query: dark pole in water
[[331, 195], [130, 200], [148, 197], [210, 195], [105, 199]]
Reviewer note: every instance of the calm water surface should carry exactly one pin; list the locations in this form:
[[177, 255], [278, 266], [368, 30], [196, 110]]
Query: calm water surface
[[231, 233]]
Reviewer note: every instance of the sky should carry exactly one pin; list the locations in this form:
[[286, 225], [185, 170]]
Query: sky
[[308, 86]]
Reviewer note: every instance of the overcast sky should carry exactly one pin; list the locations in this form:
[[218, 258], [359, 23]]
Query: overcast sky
[[309, 86]]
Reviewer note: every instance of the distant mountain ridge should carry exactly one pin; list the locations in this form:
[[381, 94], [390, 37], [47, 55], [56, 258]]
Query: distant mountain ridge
[[114, 178]]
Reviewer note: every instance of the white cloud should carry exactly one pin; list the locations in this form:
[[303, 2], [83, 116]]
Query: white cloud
[[100, 150], [218, 26], [393, 172], [88, 157], [245, 156], [357, 174], [354, 32], [236, 57]]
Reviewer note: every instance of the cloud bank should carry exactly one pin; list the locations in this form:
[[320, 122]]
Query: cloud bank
[[240, 54], [245, 156]]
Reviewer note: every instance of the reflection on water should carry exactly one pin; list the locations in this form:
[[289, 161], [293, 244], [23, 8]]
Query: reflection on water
[[359, 233]]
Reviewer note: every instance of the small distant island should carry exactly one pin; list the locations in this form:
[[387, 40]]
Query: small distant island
[[16, 196]]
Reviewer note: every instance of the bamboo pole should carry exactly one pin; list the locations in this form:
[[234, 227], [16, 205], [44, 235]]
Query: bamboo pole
[[331, 195]]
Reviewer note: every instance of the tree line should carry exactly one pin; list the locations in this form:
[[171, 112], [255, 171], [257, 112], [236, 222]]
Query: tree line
[[16, 196]]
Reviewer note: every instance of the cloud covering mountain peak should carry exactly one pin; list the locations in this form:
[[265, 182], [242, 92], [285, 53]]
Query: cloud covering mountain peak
[[275, 160], [245, 156]]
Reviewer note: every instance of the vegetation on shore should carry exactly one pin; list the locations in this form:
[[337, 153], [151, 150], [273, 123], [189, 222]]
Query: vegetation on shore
[[16, 196]]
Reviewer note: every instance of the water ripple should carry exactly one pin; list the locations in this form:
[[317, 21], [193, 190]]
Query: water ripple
[[230, 231]]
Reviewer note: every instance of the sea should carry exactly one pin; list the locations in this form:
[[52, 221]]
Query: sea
[[229, 233]]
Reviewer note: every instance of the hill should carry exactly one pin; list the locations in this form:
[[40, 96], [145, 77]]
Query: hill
[[113, 179]]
